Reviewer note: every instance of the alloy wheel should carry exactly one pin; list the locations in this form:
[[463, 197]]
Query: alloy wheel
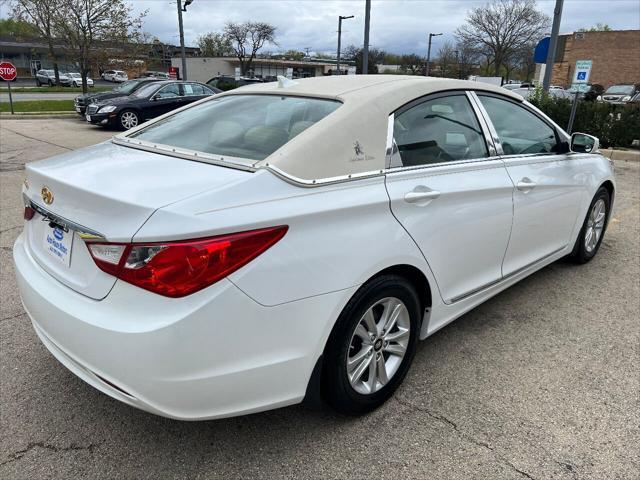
[[128, 120], [595, 225], [378, 345]]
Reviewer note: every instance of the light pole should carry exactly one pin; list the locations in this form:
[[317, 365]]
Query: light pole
[[182, 52], [340, 18], [431, 35], [551, 54], [365, 49]]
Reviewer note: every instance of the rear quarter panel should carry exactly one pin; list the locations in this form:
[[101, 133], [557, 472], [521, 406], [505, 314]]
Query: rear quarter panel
[[339, 235]]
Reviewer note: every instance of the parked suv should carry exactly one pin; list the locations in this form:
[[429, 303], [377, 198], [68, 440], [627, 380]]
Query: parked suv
[[48, 77], [115, 76], [620, 94]]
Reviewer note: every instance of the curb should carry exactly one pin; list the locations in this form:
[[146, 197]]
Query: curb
[[38, 116], [621, 155]]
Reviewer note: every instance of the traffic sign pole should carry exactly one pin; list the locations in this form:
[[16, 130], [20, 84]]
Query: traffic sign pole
[[580, 77], [10, 98]]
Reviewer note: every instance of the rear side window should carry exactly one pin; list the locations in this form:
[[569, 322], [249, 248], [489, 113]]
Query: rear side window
[[444, 129], [243, 126], [520, 132]]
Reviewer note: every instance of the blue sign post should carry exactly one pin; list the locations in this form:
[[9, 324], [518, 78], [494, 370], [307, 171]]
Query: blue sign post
[[580, 81]]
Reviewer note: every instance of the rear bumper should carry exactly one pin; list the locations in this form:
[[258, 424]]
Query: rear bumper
[[213, 354]]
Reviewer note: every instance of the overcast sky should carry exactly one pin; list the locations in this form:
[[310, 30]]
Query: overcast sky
[[398, 26]]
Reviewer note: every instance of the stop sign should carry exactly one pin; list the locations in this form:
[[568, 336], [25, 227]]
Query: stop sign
[[7, 71]]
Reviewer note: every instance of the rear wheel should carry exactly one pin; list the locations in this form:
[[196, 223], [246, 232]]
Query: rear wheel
[[371, 346], [50, 83], [592, 232], [38, 83], [128, 119]]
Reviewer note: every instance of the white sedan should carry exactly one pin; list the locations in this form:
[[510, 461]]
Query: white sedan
[[297, 238], [76, 80]]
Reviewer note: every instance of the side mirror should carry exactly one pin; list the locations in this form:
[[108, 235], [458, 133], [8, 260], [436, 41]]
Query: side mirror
[[583, 143]]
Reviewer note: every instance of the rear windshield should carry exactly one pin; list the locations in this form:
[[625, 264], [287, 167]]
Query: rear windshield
[[243, 126]]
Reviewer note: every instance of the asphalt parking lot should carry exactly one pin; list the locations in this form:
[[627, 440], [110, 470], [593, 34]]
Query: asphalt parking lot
[[541, 382]]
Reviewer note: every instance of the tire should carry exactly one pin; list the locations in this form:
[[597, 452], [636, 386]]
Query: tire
[[593, 228], [366, 389], [128, 119], [38, 84], [50, 83]]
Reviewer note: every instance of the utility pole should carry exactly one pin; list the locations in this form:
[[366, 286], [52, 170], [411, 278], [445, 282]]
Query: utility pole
[[340, 18], [431, 35], [551, 54], [365, 49], [457, 64], [182, 52]]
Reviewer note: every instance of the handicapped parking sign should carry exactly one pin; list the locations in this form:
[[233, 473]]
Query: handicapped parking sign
[[583, 70]]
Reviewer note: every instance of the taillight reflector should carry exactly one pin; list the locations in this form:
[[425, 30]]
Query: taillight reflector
[[177, 269]]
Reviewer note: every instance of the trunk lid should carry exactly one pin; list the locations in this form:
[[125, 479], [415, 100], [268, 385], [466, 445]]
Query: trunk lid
[[107, 189]]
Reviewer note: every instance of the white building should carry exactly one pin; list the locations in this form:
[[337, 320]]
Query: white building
[[202, 69]]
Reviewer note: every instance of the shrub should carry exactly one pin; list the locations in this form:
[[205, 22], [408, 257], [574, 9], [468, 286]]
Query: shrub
[[614, 125]]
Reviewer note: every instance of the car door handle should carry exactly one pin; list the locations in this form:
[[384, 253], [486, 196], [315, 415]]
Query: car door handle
[[421, 195], [525, 185]]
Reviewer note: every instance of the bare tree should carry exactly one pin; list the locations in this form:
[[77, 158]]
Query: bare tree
[[41, 14], [247, 38], [502, 27], [411, 63], [215, 45], [447, 60], [84, 23]]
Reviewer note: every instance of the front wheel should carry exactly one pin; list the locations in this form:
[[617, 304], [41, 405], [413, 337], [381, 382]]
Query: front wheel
[[371, 346], [128, 119], [592, 232]]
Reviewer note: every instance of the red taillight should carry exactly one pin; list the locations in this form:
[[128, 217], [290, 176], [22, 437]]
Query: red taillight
[[29, 212], [177, 269]]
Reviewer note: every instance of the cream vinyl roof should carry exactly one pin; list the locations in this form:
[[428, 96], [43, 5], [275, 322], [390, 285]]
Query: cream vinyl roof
[[353, 138]]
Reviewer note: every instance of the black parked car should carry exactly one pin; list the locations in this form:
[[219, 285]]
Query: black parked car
[[149, 101], [125, 88], [225, 83]]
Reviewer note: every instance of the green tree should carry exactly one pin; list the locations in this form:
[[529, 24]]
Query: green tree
[[86, 23], [294, 55], [215, 45], [18, 29], [376, 57], [599, 27], [41, 13]]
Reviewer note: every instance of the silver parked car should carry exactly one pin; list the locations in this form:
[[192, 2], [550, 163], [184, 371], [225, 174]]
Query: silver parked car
[[48, 77]]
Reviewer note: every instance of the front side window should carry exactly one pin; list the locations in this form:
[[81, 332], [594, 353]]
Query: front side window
[[243, 126], [520, 132], [444, 129]]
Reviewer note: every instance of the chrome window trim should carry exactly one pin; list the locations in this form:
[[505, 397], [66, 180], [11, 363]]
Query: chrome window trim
[[187, 154], [471, 161], [526, 106], [491, 133], [393, 149]]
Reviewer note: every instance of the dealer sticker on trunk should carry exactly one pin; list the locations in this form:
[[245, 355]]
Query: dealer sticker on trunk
[[58, 244]]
